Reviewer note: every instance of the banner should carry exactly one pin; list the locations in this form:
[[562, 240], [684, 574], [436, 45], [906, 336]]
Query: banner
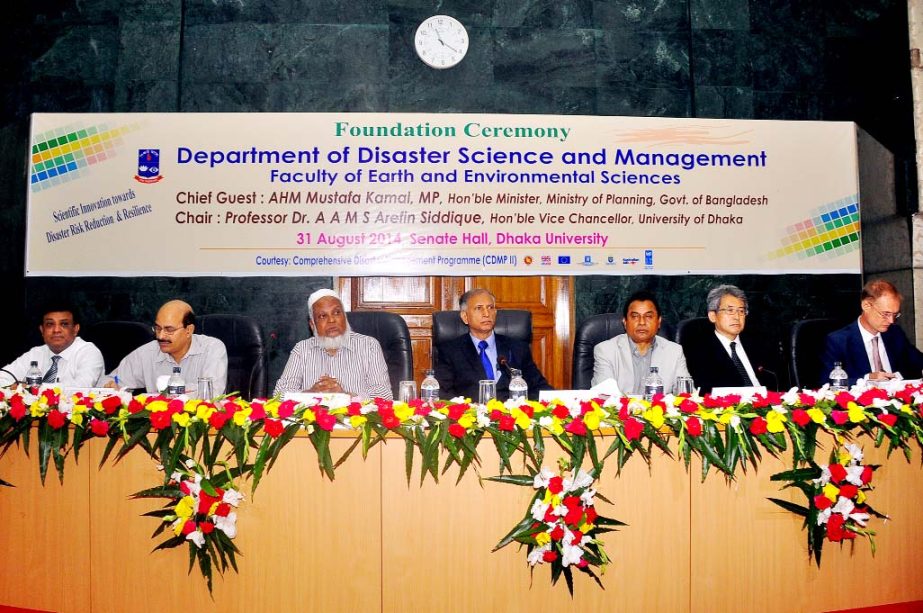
[[358, 194]]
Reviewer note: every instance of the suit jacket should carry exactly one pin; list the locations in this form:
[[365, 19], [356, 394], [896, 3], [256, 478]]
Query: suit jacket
[[845, 345], [459, 368], [711, 365], [612, 359]]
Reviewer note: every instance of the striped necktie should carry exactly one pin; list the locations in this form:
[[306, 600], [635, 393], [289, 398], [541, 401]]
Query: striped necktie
[[52, 375], [741, 369]]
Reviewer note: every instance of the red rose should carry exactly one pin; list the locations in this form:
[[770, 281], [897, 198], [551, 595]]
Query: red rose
[[111, 404], [217, 420], [843, 399], [421, 408], [801, 417], [258, 412], [835, 527], [390, 421], [905, 395], [806, 399], [848, 490], [50, 396], [550, 556], [657, 400], [758, 426], [839, 417], [160, 420], [326, 421], [456, 411], [223, 509], [528, 410], [286, 409], [496, 414], [206, 502], [560, 411], [872, 393], [576, 537], [633, 428], [693, 426], [17, 408], [822, 502], [56, 419], [175, 406], [354, 409], [506, 423], [688, 406], [574, 515], [712, 402], [457, 430], [99, 427], [576, 427], [273, 427], [557, 534], [135, 407], [837, 473], [571, 502], [555, 485], [582, 563], [550, 517], [591, 515], [184, 487], [207, 527], [889, 419], [866, 475], [188, 527]]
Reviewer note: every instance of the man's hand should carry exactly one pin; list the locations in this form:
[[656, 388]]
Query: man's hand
[[327, 385], [881, 376], [111, 385]]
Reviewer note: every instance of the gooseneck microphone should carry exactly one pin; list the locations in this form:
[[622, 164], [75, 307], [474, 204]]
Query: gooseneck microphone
[[775, 377], [504, 365]]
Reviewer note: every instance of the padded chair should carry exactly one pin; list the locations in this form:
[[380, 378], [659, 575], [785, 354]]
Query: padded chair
[[806, 348], [690, 329], [116, 339], [248, 368], [391, 331], [591, 332], [515, 323]]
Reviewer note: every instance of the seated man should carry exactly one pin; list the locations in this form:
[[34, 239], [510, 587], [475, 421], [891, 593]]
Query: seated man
[[871, 347], [335, 359], [65, 358], [175, 344], [481, 354], [628, 357], [720, 359]]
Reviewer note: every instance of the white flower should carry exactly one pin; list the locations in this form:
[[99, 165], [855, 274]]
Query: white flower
[[587, 497], [735, 422], [228, 524], [232, 497], [824, 478], [855, 451], [196, 537], [844, 506], [483, 419], [854, 475], [367, 408], [545, 421], [572, 555], [791, 396], [542, 478], [823, 516], [437, 415], [538, 510], [580, 481], [176, 476], [536, 555], [779, 409], [859, 518], [884, 403], [190, 464]]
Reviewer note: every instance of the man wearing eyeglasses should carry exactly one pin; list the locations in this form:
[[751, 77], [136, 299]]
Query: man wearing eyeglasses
[[64, 358], [175, 344], [871, 347], [725, 358], [628, 358]]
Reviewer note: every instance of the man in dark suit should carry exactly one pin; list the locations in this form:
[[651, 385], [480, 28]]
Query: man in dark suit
[[481, 354], [871, 347], [725, 358]]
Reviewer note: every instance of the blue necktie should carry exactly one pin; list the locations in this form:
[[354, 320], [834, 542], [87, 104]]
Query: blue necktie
[[485, 360], [52, 374]]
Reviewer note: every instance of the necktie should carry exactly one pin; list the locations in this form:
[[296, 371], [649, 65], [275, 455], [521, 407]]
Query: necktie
[[52, 373], [485, 360], [741, 370], [876, 356]]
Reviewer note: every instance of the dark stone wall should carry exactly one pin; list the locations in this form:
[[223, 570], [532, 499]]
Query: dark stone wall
[[760, 59]]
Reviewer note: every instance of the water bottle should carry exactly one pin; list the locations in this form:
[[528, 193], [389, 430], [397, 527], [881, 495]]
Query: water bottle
[[653, 384], [175, 385], [34, 376], [839, 380], [429, 389], [519, 389]]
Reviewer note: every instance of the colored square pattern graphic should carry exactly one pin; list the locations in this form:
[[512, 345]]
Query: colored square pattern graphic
[[66, 153], [831, 231]]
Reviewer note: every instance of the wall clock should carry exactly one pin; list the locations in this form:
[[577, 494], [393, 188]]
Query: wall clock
[[441, 41]]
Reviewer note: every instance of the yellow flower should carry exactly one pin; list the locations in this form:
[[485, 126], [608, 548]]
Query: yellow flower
[[185, 507], [726, 417], [77, 419], [831, 491], [190, 405], [465, 421], [182, 419], [403, 411], [495, 404], [37, 409], [856, 414], [654, 416], [906, 409], [522, 420], [584, 528], [556, 427], [272, 408], [817, 416], [309, 417], [241, 416], [204, 412], [357, 420], [591, 420], [860, 497], [775, 421], [542, 538], [157, 406], [551, 499], [707, 415]]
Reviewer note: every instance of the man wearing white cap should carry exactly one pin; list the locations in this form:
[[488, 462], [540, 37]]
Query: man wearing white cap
[[335, 359]]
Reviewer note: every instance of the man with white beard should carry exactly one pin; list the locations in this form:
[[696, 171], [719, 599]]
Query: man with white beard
[[335, 359]]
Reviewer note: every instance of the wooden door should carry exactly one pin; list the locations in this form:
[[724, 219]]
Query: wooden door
[[416, 298]]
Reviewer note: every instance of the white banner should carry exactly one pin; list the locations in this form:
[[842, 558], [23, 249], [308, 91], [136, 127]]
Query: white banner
[[438, 194]]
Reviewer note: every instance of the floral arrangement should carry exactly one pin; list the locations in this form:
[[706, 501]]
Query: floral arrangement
[[230, 439]]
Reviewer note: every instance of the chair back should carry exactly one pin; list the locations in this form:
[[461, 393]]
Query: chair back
[[806, 347], [391, 331], [448, 325], [248, 369], [591, 332], [116, 339]]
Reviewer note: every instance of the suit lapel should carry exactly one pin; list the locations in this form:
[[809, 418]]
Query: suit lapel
[[857, 348], [472, 356]]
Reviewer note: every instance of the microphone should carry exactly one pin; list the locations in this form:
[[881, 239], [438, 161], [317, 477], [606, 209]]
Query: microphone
[[504, 365], [762, 369]]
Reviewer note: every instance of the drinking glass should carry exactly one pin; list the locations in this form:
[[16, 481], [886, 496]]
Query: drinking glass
[[205, 388], [683, 385], [407, 391], [487, 390]]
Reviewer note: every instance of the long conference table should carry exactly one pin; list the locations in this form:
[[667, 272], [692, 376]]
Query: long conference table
[[368, 541]]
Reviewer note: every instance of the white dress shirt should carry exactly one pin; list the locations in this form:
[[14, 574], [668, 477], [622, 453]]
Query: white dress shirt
[[80, 365], [147, 365], [741, 353], [882, 352], [490, 350]]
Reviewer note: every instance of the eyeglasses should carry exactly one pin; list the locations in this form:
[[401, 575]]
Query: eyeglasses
[[168, 330], [893, 316], [741, 311]]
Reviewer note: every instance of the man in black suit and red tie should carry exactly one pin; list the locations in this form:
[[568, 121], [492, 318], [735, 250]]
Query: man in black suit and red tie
[[725, 358], [481, 354], [872, 347]]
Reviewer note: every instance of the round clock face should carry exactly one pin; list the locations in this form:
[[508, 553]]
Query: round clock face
[[441, 41]]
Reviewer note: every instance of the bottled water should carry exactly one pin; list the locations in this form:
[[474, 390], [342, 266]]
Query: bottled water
[[839, 380], [34, 376], [653, 384], [429, 389], [519, 389], [175, 385]]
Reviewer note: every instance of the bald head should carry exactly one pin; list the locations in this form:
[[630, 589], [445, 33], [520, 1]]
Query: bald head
[[173, 328]]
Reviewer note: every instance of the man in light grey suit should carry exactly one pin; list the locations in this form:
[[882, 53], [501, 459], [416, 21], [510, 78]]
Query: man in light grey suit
[[628, 358]]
